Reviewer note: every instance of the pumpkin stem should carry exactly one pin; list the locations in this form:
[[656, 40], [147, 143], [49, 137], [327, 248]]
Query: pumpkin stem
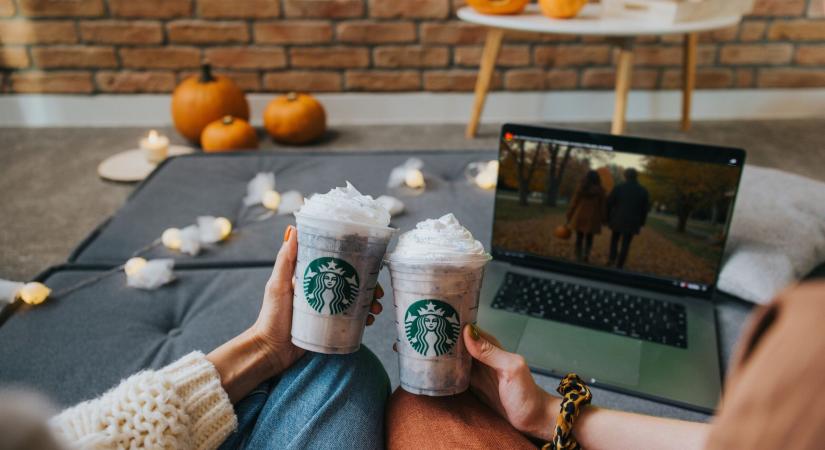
[[206, 73], [292, 96], [227, 120]]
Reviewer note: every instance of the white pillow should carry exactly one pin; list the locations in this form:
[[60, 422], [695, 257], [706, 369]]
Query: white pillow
[[777, 235]]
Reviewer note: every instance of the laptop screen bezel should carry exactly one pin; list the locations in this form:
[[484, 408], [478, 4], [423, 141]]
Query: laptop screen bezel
[[628, 144]]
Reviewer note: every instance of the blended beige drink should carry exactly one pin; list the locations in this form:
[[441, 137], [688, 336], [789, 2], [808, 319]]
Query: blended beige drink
[[436, 272], [342, 239]]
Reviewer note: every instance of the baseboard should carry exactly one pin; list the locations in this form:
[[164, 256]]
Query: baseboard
[[35, 110]]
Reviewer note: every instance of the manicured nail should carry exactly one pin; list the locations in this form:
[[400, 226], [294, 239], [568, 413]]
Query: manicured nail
[[370, 320], [379, 291], [288, 233], [474, 332], [395, 347]]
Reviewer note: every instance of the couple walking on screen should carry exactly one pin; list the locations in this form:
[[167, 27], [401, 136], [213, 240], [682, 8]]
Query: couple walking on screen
[[624, 210]]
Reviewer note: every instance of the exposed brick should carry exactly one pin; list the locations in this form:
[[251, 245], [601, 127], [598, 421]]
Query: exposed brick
[[203, 32], [509, 56], [736, 54], [303, 81], [452, 33], [605, 78], [816, 8], [656, 55], [721, 35], [246, 81], [239, 9], [361, 80], [329, 57], [160, 58], [135, 82], [411, 56], [60, 8], [456, 80], [376, 32], [324, 8], [408, 9], [52, 82], [791, 78], [530, 37], [557, 79], [150, 9], [7, 8], [293, 32], [706, 78], [121, 32], [797, 30], [74, 57], [778, 7], [246, 57], [744, 77], [810, 55], [572, 55], [14, 57], [524, 80], [37, 32], [752, 30]]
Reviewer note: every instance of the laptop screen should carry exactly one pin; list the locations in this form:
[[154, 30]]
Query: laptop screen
[[654, 210]]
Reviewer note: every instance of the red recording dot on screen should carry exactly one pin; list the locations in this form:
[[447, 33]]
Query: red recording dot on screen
[[508, 136]]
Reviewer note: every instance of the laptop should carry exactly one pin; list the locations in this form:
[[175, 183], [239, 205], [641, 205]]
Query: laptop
[[606, 253]]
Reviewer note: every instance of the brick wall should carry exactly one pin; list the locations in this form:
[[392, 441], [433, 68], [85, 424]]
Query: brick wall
[[130, 46]]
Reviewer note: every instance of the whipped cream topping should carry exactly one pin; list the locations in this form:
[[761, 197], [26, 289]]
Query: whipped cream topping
[[346, 204], [439, 240]]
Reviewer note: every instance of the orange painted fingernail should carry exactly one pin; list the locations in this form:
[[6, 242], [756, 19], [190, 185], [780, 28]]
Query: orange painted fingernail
[[288, 233]]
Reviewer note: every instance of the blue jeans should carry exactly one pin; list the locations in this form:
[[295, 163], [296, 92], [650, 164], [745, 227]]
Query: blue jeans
[[321, 402]]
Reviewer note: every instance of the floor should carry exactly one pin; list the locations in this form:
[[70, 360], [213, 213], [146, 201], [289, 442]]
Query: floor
[[52, 198]]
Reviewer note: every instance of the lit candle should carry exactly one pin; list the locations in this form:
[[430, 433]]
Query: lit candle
[[155, 146], [414, 179]]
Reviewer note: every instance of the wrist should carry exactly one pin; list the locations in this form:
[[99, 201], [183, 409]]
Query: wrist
[[545, 418], [242, 363]]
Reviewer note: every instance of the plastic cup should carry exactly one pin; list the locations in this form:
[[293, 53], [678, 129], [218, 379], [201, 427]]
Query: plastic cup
[[433, 302], [335, 276]]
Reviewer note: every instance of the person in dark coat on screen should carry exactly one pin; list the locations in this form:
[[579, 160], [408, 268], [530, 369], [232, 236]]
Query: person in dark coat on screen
[[586, 213], [627, 207]]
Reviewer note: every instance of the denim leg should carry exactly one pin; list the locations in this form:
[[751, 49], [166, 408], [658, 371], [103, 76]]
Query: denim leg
[[247, 411], [325, 402]]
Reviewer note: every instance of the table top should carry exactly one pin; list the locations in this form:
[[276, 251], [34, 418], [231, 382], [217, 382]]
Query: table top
[[590, 22]]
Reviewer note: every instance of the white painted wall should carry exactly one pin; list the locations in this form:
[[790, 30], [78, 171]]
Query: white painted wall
[[424, 107]]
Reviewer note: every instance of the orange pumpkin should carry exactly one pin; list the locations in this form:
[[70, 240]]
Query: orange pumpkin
[[200, 100], [295, 119], [498, 6], [229, 133], [562, 232], [561, 9]]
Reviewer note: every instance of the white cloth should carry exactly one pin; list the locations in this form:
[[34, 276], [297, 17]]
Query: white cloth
[[9, 290], [777, 235], [263, 182], [154, 274]]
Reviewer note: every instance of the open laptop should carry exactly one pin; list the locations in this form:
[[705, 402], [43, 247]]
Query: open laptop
[[625, 300]]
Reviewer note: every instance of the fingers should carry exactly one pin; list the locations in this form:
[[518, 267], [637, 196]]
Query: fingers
[[370, 319], [483, 348], [280, 282], [375, 307]]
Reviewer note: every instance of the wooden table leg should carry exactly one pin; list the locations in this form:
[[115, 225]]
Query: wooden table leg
[[688, 77], [485, 74], [624, 72]]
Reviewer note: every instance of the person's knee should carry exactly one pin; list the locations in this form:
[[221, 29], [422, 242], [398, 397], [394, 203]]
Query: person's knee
[[360, 372]]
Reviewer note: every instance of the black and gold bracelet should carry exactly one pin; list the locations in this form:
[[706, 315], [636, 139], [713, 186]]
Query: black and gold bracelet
[[575, 394]]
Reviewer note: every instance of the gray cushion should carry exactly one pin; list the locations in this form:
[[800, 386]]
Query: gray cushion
[[186, 187], [76, 347]]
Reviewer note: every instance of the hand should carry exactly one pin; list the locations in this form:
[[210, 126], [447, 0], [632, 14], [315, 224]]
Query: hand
[[503, 381]]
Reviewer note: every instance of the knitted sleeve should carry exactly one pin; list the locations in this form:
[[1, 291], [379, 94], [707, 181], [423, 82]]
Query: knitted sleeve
[[181, 406]]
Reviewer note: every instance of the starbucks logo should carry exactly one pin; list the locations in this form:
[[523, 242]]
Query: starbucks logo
[[432, 327], [330, 285]]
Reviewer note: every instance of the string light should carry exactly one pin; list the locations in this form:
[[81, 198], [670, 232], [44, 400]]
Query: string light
[[134, 265], [171, 238], [414, 179], [487, 177], [271, 200], [34, 293], [225, 226]]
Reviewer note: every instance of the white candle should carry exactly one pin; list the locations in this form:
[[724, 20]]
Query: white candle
[[155, 146]]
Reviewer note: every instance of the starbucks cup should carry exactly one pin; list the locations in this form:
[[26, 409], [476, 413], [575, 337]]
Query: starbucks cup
[[433, 302], [335, 276]]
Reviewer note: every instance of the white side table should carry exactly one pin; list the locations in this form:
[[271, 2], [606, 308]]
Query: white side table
[[589, 23]]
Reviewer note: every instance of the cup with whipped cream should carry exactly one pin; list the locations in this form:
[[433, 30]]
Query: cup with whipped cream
[[342, 239], [436, 271]]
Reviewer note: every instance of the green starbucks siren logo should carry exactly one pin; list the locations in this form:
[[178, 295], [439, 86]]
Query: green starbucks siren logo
[[432, 327], [330, 285]]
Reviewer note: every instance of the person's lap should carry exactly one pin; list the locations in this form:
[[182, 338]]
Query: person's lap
[[323, 401]]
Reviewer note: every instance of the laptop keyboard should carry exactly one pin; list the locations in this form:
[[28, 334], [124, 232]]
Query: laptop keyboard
[[591, 307]]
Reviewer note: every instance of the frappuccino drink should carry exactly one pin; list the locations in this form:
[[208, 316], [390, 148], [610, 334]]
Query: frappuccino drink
[[342, 239], [436, 272]]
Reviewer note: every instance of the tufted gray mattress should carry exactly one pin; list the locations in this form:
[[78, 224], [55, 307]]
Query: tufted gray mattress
[[78, 345]]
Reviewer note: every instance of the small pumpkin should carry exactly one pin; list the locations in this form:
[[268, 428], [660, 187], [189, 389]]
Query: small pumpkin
[[561, 9], [562, 232], [498, 6], [295, 119], [202, 99], [228, 133]]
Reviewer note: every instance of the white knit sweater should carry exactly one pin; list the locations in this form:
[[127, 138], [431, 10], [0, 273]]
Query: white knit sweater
[[181, 406]]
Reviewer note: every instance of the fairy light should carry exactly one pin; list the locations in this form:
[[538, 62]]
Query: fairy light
[[225, 227], [271, 200], [134, 265], [34, 293], [414, 179], [171, 239]]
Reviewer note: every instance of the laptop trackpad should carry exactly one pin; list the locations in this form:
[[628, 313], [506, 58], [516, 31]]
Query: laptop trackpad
[[562, 348]]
